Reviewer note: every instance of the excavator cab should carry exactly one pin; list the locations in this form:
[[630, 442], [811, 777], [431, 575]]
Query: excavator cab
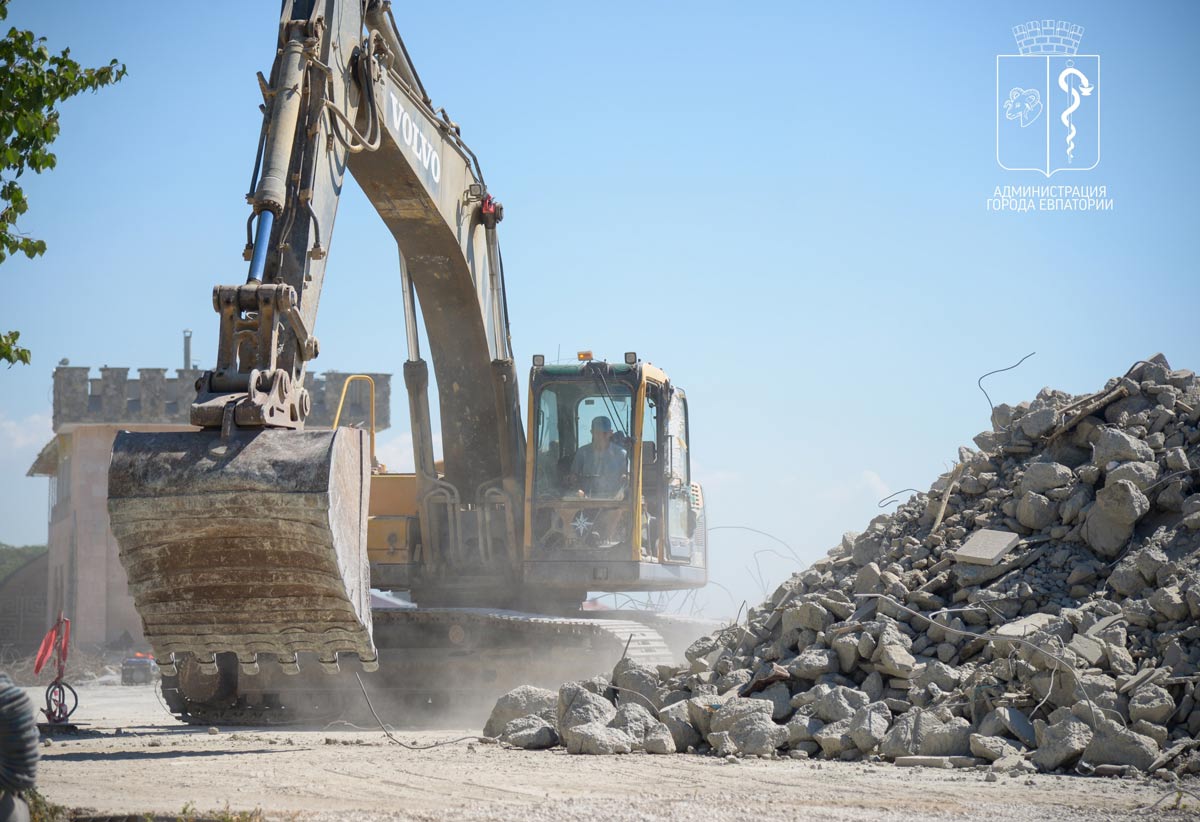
[[610, 502]]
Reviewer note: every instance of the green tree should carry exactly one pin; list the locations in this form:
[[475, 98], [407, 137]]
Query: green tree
[[33, 81], [12, 557]]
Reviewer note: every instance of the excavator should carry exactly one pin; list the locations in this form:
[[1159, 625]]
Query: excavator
[[253, 543]]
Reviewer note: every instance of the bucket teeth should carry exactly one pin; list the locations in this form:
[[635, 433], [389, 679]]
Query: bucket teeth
[[369, 665], [258, 547], [329, 664], [290, 665]]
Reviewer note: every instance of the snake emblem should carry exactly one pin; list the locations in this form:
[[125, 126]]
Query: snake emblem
[[1085, 88]]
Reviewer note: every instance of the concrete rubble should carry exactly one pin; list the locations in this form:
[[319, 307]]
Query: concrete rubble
[[1065, 637]]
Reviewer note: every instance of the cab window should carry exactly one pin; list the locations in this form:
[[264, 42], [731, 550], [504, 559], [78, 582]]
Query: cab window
[[678, 469], [548, 445], [568, 458]]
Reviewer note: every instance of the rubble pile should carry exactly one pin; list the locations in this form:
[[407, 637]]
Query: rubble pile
[[1037, 609]]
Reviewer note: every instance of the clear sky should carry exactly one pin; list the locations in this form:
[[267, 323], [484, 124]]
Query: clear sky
[[782, 204]]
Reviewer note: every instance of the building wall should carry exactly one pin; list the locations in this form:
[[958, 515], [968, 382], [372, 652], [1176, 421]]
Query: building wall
[[86, 578], [22, 607]]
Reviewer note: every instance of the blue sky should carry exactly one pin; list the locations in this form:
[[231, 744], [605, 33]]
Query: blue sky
[[782, 205]]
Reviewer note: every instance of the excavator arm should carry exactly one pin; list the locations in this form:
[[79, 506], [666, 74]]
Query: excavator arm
[[248, 536], [343, 92]]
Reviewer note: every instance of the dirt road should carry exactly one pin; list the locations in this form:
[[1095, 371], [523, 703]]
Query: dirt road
[[141, 760]]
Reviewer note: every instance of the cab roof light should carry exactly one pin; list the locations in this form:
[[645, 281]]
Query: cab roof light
[[539, 360], [631, 358], [584, 356]]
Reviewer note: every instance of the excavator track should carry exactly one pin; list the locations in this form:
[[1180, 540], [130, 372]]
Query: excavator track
[[432, 662]]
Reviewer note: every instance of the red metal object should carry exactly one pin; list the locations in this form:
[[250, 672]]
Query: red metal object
[[55, 645], [58, 638]]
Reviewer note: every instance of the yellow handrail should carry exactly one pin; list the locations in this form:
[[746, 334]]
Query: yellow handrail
[[338, 416]]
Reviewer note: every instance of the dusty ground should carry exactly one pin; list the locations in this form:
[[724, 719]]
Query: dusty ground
[[141, 760]]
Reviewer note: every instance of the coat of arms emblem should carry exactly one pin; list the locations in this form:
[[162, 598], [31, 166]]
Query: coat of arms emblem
[[1048, 101]]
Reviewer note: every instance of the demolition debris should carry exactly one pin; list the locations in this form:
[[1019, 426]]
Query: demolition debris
[[1035, 610]]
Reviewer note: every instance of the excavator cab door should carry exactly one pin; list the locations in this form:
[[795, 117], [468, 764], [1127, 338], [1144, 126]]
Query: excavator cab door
[[581, 465], [684, 503]]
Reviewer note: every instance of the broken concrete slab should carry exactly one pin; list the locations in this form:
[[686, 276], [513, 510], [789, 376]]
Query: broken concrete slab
[[1146, 676], [595, 739], [835, 738], [1062, 743], [991, 748], [1118, 507], [908, 733], [839, 703], [813, 664], [1113, 745], [533, 733], [1018, 725], [517, 703], [678, 723], [936, 762], [1087, 648], [1104, 624], [953, 738], [756, 735], [576, 705], [986, 547], [870, 725], [737, 709], [1151, 703], [1019, 629]]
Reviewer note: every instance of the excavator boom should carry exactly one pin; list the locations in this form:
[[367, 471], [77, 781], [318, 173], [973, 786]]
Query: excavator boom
[[249, 535]]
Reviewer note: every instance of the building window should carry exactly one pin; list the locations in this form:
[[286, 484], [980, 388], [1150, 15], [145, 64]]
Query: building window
[[60, 490]]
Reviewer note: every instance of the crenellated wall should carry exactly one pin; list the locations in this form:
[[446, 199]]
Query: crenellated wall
[[153, 397], [1048, 37]]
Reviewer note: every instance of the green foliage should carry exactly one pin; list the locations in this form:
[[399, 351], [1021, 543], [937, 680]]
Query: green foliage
[[42, 810], [33, 81], [227, 815], [10, 352], [189, 814], [12, 558]]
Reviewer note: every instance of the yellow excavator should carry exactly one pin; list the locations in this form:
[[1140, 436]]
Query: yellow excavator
[[252, 545]]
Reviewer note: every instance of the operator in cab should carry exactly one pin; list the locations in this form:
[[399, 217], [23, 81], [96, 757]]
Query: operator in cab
[[600, 468]]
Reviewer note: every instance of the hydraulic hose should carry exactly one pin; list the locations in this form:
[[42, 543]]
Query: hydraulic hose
[[18, 738], [56, 701]]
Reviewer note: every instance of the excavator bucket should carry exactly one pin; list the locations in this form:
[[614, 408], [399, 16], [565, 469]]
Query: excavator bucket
[[254, 543]]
